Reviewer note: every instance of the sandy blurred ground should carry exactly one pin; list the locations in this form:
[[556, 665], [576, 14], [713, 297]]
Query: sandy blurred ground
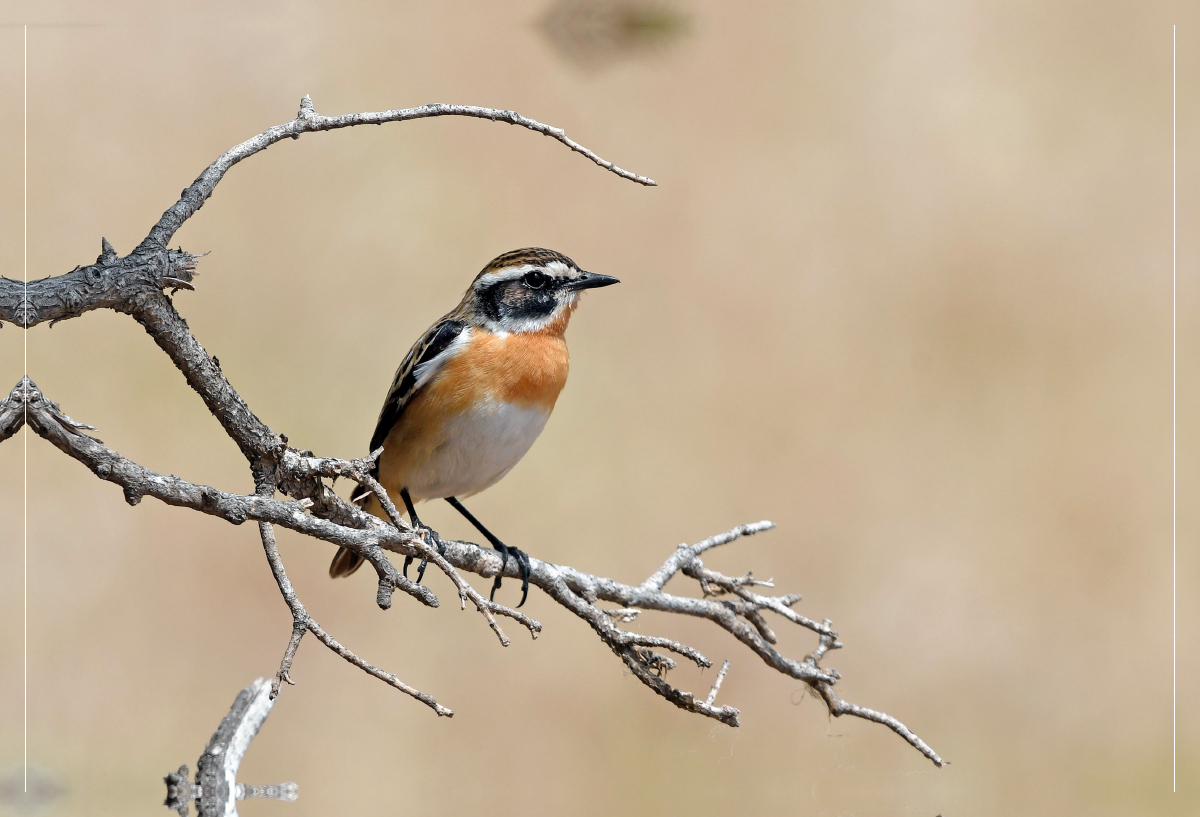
[[905, 289]]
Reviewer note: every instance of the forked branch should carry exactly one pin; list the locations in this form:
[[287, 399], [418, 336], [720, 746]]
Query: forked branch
[[581, 593]]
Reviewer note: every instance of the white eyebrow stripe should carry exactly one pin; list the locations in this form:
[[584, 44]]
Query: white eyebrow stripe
[[509, 274], [555, 268]]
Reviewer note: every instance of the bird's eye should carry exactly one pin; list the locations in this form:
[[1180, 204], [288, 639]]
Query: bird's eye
[[535, 279]]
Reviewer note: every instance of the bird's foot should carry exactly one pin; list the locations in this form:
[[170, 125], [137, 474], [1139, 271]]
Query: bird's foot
[[430, 536], [522, 560]]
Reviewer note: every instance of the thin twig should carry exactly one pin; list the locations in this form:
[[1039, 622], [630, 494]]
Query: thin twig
[[716, 687], [308, 121], [389, 679], [360, 471], [685, 553], [301, 618]]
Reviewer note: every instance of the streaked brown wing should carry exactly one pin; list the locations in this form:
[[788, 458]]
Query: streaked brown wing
[[404, 384]]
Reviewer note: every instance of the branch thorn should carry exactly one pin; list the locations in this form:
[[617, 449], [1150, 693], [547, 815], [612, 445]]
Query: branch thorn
[[107, 254]]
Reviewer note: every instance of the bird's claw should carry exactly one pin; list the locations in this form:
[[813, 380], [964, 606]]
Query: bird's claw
[[522, 560], [430, 536]]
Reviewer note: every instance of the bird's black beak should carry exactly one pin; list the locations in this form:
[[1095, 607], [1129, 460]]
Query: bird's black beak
[[590, 280]]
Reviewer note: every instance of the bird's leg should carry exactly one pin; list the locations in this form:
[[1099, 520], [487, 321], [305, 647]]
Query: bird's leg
[[412, 517], [505, 550]]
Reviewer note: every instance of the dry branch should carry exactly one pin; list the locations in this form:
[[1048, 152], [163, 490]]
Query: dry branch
[[216, 790], [579, 592], [135, 284]]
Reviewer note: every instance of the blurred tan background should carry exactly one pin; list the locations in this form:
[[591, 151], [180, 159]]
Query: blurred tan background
[[905, 289]]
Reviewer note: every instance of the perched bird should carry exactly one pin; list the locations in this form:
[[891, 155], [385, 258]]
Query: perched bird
[[475, 391]]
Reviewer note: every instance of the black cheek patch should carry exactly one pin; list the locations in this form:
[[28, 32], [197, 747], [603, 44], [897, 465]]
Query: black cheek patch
[[514, 301], [489, 300]]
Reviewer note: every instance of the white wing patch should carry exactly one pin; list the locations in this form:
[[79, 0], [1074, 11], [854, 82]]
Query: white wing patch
[[425, 372]]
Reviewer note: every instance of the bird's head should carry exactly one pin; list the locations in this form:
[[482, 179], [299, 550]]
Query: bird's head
[[529, 290]]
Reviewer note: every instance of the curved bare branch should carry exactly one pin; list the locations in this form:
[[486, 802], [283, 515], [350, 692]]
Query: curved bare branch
[[309, 121], [113, 282]]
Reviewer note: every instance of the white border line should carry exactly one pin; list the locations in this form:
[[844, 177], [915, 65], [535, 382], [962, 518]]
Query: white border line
[[1174, 520], [25, 409]]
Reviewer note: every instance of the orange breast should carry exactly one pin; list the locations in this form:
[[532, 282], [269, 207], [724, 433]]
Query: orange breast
[[527, 370]]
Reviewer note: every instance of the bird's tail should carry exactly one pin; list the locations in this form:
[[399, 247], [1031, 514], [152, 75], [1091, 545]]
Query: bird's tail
[[346, 561]]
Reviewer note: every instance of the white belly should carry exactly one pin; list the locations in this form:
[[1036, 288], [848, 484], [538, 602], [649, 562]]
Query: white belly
[[479, 447]]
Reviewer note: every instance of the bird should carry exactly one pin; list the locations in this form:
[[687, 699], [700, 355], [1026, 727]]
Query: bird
[[474, 393]]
